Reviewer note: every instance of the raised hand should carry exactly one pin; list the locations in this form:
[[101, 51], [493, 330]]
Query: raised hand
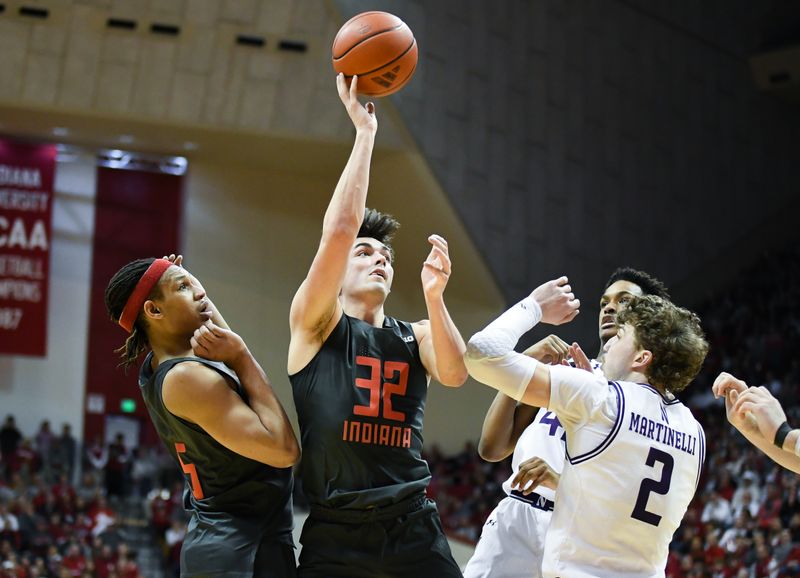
[[217, 344], [363, 117], [436, 268], [725, 382], [557, 301], [579, 358], [176, 260], [759, 403], [730, 389], [533, 473], [551, 350]]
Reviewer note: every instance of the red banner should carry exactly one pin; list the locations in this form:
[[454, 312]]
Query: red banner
[[137, 215], [26, 199]]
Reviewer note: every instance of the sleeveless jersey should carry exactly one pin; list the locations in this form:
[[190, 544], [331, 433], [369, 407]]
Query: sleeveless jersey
[[623, 492], [218, 480], [544, 438], [360, 403]]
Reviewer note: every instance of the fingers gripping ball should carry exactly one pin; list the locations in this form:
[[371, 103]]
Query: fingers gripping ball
[[379, 48]]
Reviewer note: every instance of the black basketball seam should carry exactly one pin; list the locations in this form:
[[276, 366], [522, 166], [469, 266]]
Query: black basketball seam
[[363, 39], [410, 46]]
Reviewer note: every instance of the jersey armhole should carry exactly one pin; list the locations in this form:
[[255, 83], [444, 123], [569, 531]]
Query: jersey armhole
[[612, 434], [702, 453], [338, 328]]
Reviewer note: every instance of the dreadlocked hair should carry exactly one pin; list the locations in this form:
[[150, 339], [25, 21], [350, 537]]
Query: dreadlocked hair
[[649, 284], [117, 293], [380, 227]]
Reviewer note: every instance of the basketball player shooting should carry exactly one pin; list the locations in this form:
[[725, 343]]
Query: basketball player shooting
[[360, 380], [634, 452]]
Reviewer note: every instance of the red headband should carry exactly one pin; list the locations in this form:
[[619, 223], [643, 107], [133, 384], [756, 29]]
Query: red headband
[[141, 291]]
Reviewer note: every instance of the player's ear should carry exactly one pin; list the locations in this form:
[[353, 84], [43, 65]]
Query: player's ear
[[644, 357], [151, 310]]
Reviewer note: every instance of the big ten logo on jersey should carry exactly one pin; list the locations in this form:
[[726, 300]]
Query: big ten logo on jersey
[[550, 420], [386, 381]]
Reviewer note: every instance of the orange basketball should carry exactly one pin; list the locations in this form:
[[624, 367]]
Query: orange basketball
[[379, 48]]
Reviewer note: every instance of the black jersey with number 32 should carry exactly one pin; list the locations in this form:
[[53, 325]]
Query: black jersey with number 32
[[360, 403], [218, 480]]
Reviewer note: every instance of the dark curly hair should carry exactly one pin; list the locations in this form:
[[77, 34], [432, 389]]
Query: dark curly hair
[[380, 227], [649, 284], [118, 291], [673, 335]]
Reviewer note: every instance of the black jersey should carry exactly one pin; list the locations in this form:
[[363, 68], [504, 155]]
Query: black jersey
[[218, 480], [360, 403]]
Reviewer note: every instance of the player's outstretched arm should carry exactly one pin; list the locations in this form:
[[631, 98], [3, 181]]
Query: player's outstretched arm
[[491, 358], [315, 307], [506, 419], [260, 431], [756, 413], [441, 346]]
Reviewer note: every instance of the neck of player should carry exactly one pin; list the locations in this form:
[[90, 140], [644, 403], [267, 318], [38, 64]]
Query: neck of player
[[367, 310], [169, 347]]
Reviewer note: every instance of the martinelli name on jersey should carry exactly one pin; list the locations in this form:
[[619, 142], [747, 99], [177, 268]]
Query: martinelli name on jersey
[[662, 433]]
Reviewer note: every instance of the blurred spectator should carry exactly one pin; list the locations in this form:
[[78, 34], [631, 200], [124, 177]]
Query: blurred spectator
[[717, 511], [65, 450], [142, 471], [751, 490], [10, 438], [102, 516], [74, 560], [95, 458], [116, 465], [25, 460], [9, 526], [745, 504], [43, 444], [173, 541]]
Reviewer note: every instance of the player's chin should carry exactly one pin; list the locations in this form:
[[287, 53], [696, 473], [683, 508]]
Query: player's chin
[[607, 333], [377, 286]]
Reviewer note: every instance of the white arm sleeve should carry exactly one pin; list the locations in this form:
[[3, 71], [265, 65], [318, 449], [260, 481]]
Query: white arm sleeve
[[502, 334], [490, 356], [508, 374]]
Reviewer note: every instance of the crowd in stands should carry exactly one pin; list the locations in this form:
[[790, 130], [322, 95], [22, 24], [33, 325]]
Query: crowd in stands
[[52, 526], [745, 519]]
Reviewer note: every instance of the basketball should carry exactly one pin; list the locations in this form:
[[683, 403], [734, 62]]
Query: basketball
[[379, 48]]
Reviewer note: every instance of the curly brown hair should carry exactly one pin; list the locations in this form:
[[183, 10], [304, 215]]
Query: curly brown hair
[[673, 335]]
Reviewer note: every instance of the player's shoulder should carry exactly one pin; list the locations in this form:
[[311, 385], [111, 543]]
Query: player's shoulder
[[192, 386], [421, 328], [194, 375]]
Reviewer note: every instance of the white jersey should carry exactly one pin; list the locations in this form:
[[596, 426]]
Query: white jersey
[[633, 463], [543, 438]]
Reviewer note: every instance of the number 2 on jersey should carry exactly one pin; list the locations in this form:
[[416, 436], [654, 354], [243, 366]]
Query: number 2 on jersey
[[650, 485]]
